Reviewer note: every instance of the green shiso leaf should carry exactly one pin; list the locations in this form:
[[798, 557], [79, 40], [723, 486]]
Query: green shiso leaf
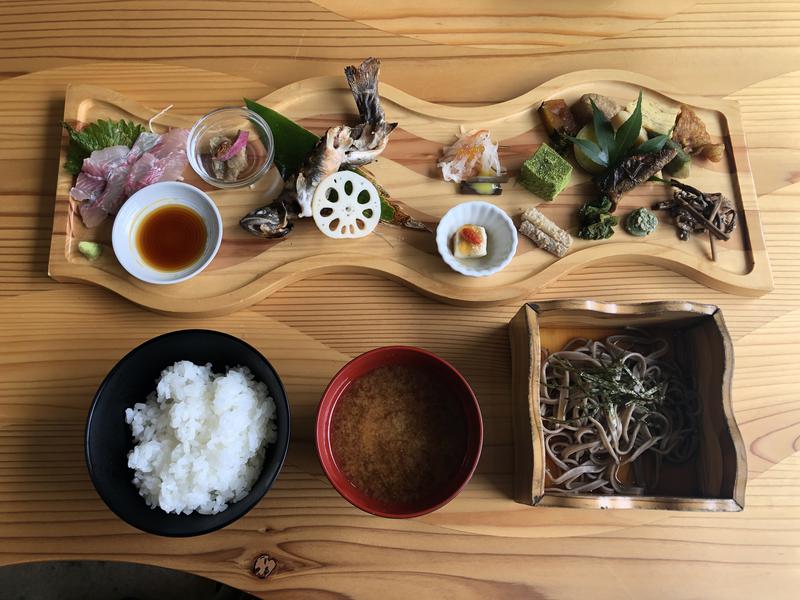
[[96, 136], [293, 143]]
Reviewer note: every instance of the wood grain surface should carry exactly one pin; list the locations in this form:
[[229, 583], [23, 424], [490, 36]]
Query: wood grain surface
[[57, 340]]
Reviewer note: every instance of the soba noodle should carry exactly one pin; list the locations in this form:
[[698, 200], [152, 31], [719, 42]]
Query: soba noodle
[[613, 403]]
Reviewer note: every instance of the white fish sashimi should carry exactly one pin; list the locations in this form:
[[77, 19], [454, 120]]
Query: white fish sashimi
[[109, 176], [114, 196], [146, 171], [164, 162], [87, 187], [92, 214], [101, 162], [144, 143]]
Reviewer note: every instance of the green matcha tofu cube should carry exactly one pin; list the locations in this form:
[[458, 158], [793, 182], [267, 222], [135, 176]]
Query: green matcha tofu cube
[[546, 173]]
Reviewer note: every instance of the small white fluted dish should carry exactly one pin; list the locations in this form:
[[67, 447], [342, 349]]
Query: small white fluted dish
[[501, 238], [144, 202]]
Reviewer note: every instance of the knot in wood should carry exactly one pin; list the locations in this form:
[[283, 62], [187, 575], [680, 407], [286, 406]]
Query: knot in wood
[[264, 566]]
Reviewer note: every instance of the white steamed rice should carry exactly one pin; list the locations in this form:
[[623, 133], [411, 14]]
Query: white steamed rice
[[200, 438]]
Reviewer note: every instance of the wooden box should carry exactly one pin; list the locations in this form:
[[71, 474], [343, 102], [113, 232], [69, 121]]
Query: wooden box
[[714, 480]]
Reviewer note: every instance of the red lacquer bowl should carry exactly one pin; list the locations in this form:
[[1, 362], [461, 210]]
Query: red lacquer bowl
[[453, 381]]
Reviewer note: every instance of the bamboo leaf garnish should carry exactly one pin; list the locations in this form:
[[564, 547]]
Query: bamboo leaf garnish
[[603, 132], [627, 133], [654, 144], [611, 148], [592, 150]]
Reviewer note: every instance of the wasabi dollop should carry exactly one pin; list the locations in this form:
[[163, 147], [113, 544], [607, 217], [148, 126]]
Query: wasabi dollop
[[91, 250]]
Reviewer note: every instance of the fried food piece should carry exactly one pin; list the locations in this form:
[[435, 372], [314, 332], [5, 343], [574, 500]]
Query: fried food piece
[[691, 133], [535, 217], [541, 240]]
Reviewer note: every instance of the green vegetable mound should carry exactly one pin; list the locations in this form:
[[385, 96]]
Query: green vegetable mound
[[641, 222]]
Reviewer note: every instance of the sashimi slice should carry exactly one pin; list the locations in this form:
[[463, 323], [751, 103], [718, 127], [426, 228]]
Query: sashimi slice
[[144, 143], [87, 187], [145, 171], [100, 162], [111, 175], [165, 162], [92, 214], [114, 196], [174, 141]]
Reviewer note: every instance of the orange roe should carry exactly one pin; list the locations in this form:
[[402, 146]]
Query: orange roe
[[471, 235]]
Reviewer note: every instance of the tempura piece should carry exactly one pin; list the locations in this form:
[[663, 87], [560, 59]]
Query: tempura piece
[[691, 133], [544, 233]]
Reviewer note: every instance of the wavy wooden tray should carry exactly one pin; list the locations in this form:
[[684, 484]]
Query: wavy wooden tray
[[248, 269]]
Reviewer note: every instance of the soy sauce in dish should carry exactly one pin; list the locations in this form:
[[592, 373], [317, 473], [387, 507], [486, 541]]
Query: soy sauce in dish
[[398, 434], [171, 238]]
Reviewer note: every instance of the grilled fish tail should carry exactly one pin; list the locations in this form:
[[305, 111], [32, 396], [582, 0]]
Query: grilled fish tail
[[363, 82]]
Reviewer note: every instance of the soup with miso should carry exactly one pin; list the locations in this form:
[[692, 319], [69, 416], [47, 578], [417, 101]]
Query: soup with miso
[[398, 434]]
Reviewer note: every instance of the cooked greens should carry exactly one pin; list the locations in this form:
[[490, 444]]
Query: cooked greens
[[597, 222]]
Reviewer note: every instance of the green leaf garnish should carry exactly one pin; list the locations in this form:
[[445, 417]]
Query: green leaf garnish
[[592, 150], [654, 144], [293, 143], [626, 135], [96, 136], [603, 132], [612, 147]]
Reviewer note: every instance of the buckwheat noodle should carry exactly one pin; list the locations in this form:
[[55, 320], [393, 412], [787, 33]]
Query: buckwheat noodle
[[606, 404]]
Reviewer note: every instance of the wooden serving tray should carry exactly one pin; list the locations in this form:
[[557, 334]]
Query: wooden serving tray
[[248, 269]]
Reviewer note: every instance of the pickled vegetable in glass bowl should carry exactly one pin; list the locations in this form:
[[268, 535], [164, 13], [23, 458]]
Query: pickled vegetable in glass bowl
[[230, 147]]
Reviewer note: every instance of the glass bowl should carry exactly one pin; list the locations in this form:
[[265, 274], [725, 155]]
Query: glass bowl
[[228, 121]]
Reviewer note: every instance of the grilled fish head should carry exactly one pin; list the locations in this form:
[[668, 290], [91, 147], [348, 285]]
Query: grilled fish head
[[270, 222]]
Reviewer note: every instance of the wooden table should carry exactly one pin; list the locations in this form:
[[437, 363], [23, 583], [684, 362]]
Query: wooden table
[[57, 341]]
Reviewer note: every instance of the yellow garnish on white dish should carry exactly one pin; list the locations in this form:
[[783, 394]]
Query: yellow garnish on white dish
[[469, 241], [346, 205]]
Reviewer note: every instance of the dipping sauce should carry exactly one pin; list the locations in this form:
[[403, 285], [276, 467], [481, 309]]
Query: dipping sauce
[[398, 434], [171, 238]]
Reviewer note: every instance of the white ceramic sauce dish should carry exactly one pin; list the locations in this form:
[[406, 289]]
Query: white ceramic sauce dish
[[149, 199], [501, 237]]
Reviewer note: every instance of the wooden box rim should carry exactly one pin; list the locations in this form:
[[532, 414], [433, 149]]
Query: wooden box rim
[[529, 487]]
